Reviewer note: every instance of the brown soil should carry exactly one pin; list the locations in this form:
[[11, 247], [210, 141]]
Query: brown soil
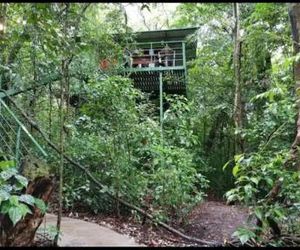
[[211, 220], [215, 221]]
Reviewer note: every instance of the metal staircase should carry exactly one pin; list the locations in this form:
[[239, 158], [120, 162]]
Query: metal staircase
[[16, 142]]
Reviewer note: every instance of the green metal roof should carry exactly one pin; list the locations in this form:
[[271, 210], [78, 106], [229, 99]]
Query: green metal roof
[[166, 35]]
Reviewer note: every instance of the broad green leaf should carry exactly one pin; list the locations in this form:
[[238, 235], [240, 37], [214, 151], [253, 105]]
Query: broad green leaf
[[40, 205], [254, 180], [4, 195], [27, 199], [244, 235], [235, 170], [231, 197], [243, 178], [15, 214], [5, 206], [269, 181], [14, 200], [22, 180], [7, 174], [248, 190], [104, 189], [24, 209]]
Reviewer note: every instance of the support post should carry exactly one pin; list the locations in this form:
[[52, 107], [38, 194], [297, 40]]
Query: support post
[[183, 55], [161, 110], [184, 63]]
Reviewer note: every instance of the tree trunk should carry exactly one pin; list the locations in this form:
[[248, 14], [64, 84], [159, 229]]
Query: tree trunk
[[22, 234], [294, 13], [63, 83], [238, 107]]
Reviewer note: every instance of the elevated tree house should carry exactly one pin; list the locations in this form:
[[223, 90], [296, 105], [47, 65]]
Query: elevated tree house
[[160, 56], [157, 61]]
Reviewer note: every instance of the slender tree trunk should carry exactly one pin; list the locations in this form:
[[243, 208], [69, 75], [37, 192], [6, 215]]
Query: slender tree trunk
[[50, 111], [63, 83], [123, 10], [61, 164], [144, 18], [32, 102], [294, 13], [238, 107]]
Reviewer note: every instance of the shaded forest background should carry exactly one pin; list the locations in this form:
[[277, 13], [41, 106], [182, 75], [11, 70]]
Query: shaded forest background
[[231, 136]]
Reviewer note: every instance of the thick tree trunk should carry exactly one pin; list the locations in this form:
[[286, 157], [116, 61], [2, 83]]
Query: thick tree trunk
[[22, 234], [294, 13], [238, 107]]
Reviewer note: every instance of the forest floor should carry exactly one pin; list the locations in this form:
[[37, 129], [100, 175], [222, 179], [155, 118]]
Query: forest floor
[[212, 220]]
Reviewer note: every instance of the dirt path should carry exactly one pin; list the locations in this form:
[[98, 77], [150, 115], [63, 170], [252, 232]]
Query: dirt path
[[214, 220], [211, 221]]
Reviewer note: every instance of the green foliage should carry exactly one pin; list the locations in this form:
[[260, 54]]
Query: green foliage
[[256, 172], [255, 178], [122, 146], [12, 201], [175, 182], [269, 135], [114, 129], [244, 235]]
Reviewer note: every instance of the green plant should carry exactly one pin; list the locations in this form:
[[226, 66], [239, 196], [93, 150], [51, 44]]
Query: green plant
[[176, 185], [12, 202], [120, 141], [255, 177], [244, 235]]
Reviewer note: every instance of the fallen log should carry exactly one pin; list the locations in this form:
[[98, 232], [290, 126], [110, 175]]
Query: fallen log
[[101, 186], [23, 233]]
